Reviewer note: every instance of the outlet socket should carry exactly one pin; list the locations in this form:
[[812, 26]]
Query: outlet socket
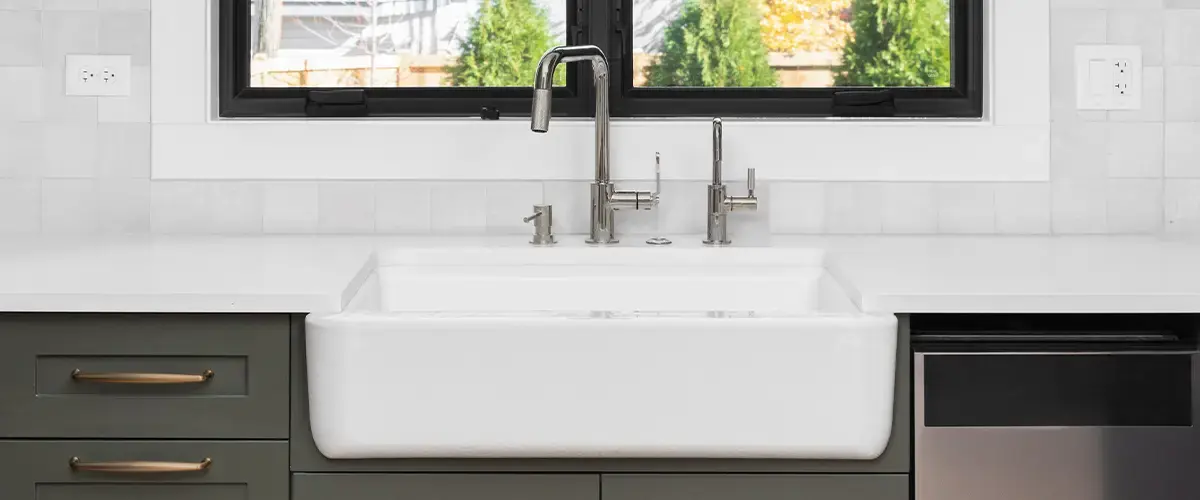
[[95, 75]]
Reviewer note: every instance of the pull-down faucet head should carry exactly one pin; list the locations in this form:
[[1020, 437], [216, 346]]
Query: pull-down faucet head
[[543, 81]]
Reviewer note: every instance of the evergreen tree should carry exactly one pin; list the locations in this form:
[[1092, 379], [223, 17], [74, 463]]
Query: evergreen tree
[[504, 42], [713, 43], [902, 43]]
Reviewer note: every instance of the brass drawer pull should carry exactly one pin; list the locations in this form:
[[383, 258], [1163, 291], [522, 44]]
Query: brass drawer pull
[[140, 467], [142, 378]]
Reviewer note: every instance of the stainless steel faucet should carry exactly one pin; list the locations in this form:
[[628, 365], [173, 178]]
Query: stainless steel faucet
[[605, 197], [719, 202]]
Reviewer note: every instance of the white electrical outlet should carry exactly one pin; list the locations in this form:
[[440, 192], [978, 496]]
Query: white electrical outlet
[[94, 75], [1108, 76]]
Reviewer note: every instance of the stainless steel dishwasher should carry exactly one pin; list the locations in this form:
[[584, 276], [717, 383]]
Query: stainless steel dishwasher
[[1056, 407]]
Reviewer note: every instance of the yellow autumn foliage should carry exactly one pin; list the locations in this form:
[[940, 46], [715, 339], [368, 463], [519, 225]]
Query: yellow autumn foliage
[[805, 25]]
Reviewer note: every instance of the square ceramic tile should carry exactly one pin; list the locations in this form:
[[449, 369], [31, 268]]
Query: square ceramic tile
[[20, 38], [68, 32], [1023, 208], [966, 208], [290, 207], [1183, 150], [59, 107], [1078, 150], [909, 208], [797, 207], [508, 203], [1152, 99], [346, 208], [134, 108], [69, 150], [682, 209], [87, 206], [1182, 4], [1078, 4], [1135, 4], [180, 207], [236, 207], [123, 150], [402, 207], [126, 33], [571, 203], [1182, 35], [20, 150], [1079, 206], [1135, 150], [1182, 102], [1135, 206], [1142, 27], [853, 208], [21, 87], [20, 206], [1181, 206], [458, 207]]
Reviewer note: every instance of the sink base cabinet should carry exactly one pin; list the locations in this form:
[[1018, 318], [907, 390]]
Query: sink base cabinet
[[239, 419]]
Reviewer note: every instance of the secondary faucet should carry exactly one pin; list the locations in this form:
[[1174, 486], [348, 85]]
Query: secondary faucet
[[605, 197], [719, 202]]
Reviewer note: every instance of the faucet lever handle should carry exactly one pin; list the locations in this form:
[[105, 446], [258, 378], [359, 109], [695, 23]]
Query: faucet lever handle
[[534, 216], [657, 174], [750, 178]]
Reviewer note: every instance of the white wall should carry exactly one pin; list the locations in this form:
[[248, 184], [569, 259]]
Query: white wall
[[83, 165]]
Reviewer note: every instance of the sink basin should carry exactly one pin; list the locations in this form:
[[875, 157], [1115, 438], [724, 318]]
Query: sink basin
[[601, 352]]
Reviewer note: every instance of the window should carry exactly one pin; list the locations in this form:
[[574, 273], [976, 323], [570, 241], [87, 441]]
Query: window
[[908, 58]]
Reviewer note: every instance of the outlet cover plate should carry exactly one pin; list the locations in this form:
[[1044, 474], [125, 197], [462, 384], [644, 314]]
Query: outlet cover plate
[[96, 75], [1108, 76]]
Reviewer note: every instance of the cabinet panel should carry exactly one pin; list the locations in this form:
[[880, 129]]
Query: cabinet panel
[[68, 376], [238, 470], [755, 487], [445, 487]]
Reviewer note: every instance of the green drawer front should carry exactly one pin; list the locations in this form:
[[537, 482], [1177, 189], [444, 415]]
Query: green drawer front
[[239, 470], [445, 487], [46, 359], [755, 487]]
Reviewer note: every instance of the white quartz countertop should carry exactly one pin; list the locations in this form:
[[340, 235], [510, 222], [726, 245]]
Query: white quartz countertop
[[311, 274]]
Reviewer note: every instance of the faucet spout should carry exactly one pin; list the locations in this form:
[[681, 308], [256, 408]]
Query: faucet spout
[[605, 198]]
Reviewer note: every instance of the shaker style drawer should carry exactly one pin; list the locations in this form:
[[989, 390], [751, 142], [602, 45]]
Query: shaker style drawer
[[445, 487], [136, 470], [144, 376], [755, 487]]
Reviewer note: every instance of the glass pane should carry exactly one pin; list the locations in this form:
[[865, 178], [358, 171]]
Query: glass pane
[[402, 43], [791, 43]]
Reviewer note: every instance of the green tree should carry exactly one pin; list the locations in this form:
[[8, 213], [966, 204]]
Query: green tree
[[504, 42], [898, 43], [714, 43]]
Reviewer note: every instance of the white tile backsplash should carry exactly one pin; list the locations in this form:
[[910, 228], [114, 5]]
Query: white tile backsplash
[[1023, 208], [853, 208], [1079, 206], [966, 208], [20, 206], [1135, 150], [1182, 102], [909, 208], [1183, 150], [345, 208], [290, 207], [24, 81], [81, 164], [402, 208]]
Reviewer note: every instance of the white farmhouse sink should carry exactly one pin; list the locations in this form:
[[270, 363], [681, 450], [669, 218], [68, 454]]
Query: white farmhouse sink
[[601, 352]]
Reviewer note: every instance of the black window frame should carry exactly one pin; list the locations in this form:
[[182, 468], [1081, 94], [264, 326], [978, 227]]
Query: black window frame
[[237, 99], [608, 24]]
